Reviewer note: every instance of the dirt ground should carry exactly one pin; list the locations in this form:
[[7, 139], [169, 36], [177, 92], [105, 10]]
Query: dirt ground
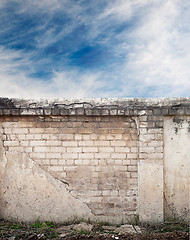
[[97, 231]]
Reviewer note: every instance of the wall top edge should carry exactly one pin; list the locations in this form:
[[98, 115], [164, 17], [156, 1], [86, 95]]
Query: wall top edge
[[90, 106]]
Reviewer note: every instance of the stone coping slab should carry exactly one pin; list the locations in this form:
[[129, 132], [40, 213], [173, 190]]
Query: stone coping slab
[[95, 106]]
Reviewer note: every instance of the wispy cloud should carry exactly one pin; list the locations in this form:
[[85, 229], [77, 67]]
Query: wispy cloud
[[67, 48]]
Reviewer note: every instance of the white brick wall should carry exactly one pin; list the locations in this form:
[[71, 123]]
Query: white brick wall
[[98, 161]]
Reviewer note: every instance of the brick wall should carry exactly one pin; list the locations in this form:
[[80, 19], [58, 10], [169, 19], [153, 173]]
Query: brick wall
[[108, 153], [96, 156]]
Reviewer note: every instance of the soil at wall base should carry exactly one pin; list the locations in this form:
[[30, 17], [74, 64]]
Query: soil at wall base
[[47, 230]]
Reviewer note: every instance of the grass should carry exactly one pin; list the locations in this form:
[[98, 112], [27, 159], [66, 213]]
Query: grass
[[47, 229], [20, 229], [169, 225]]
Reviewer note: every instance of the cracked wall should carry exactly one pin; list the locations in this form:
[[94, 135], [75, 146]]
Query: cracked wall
[[103, 159], [94, 158]]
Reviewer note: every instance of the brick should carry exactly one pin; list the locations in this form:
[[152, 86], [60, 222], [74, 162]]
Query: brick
[[134, 149], [118, 155], [42, 149], [132, 168], [62, 162], [78, 137], [53, 162], [122, 149], [159, 149], [85, 137], [117, 131], [66, 137], [143, 155], [66, 155], [21, 136], [118, 143], [134, 162], [78, 162], [146, 149], [11, 137], [102, 131], [110, 161], [102, 143], [7, 130], [29, 136], [157, 111], [155, 156], [155, 144], [69, 143], [118, 162], [90, 149], [102, 155], [85, 131], [158, 137], [86, 162], [155, 118], [159, 124], [126, 162], [64, 112], [164, 111], [86, 155], [85, 143], [37, 155], [143, 124], [102, 138], [93, 136], [53, 155], [37, 143], [70, 162], [143, 118], [93, 162], [17, 149], [180, 111], [28, 149], [24, 143], [11, 143], [36, 130], [105, 112], [69, 168], [74, 149], [113, 112], [106, 149], [155, 131], [188, 110], [53, 143], [146, 138], [131, 155], [55, 168], [49, 130], [20, 130]]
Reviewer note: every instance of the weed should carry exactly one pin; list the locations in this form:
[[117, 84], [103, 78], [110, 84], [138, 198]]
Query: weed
[[16, 226]]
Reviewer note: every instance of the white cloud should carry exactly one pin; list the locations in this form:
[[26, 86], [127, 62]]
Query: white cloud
[[156, 50], [160, 55], [15, 83]]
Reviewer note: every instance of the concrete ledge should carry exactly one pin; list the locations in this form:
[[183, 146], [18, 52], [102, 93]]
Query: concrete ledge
[[95, 107]]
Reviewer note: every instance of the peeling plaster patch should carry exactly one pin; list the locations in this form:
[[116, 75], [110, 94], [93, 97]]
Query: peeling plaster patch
[[176, 167], [28, 193], [178, 121]]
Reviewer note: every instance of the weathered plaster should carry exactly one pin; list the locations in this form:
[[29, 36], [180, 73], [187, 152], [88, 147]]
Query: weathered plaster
[[30, 193], [78, 157], [150, 191], [177, 167]]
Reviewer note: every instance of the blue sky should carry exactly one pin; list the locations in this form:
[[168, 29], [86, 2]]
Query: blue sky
[[94, 48]]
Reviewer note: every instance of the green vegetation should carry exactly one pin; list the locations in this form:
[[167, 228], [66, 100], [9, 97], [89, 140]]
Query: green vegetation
[[50, 230]]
